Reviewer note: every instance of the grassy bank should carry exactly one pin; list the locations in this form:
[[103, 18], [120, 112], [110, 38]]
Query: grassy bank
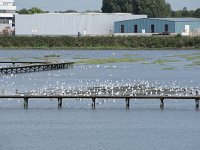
[[131, 42]]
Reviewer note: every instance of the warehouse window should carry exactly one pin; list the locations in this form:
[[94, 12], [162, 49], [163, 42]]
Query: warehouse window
[[122, 28], [135, 28], [152, 28], [166, 28]]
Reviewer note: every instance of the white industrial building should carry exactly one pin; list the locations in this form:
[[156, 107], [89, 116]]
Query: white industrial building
[[70, 24], [7, 10]]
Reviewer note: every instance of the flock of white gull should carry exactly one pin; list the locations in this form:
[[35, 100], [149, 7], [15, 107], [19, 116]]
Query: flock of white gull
[[107, 88], [110, 89]]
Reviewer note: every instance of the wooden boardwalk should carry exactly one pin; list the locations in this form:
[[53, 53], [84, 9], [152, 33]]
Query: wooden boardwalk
[[22, 62], [93, 98], [34, 68]]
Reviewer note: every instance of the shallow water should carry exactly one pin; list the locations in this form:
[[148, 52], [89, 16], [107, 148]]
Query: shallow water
[[110, 126], [95, 74]]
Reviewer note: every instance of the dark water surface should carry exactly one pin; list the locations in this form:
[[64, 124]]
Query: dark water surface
[[78, 127]]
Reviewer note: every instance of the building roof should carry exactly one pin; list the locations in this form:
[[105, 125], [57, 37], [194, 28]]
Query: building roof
[[10, 1], [179, 19], [90, 13], [6, 15]]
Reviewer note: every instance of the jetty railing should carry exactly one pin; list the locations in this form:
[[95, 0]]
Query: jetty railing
[[34, 67], [94, 98]]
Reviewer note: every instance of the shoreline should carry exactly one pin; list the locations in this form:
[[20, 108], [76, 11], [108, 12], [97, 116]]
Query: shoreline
[[95, 48]]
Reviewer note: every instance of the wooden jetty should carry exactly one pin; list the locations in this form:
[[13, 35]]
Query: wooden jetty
[[22, 62], [93, 98], [34, 67]]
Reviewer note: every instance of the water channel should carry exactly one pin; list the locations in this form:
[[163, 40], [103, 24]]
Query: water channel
[[110, 126]]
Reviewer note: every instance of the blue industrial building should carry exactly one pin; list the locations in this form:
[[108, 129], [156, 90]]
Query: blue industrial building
[[157, 25]]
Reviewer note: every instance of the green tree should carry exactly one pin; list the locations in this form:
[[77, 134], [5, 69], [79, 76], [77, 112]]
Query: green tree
[[33, 10], [109, 6], [177, 13], [23, 11], [136, 6], [126, 6], [197, 13], [153, 8], [185, 12], [66, 11]]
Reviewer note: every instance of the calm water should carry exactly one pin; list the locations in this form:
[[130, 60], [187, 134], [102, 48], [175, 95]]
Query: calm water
[[110, 126]]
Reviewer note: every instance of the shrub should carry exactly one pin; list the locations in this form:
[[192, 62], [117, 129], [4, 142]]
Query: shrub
[[119, 42]]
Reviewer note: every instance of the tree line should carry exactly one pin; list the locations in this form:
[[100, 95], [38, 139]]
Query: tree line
[[152, 8], [186, 13], [35, 10]]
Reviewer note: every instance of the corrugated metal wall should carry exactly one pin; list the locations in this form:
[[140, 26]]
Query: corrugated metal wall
[[180, 26], [69, 24], [145, 24], [173, 26]]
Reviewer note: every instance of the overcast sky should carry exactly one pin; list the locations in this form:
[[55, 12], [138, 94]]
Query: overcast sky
[[82, 5]]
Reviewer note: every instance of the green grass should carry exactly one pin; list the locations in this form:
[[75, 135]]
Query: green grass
[[14, 58], [189, 57], [162, 61], [109, 60], [52, 55], [192, 57], [146, 63], [79, 57], [194, 64], [197, 63], [130, 55], [169, 68]]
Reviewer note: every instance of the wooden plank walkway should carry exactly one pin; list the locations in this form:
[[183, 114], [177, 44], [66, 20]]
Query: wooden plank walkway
[[93, 98], [22, 62], [34, 68]]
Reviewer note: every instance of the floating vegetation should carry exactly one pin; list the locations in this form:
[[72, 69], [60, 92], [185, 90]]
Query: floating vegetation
[[197, 63], [162, 61], [169, 68], [146, 63], [14, 58], [52, 55], [37, 58], [109, 60], [189, 57], [192, 57], [80, 57], [130, 55], [194, 64]]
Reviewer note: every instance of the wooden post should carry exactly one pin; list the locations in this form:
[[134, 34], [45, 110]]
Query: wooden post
[[197, 103], [197, 100], [93, 102], [127, 103], [25, 103], [59, 102], [162, 103]]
